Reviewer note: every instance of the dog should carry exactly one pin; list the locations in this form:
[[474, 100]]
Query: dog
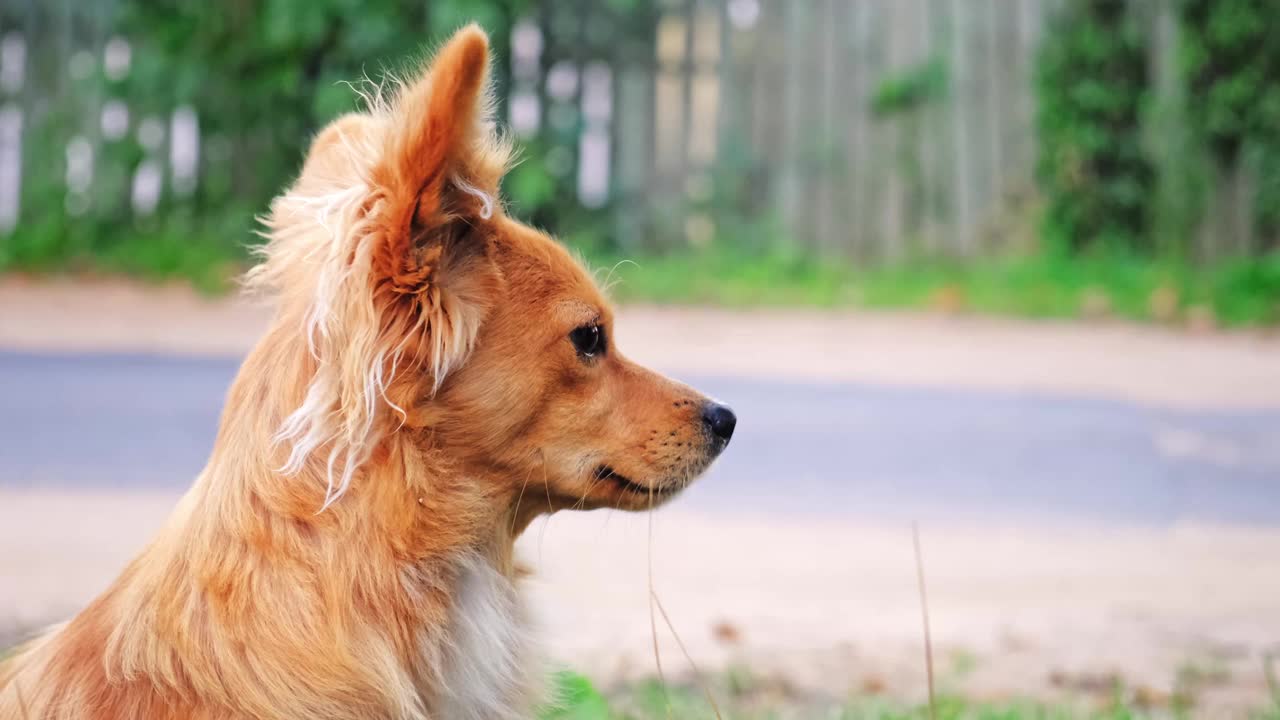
[[436, 376]]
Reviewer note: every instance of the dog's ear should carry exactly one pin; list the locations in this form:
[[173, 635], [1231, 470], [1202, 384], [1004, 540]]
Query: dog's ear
[[440, 164], [438, 174], [391, 229]]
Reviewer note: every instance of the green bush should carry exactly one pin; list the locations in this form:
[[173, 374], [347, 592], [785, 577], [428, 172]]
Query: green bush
[[1230, 58], [262, 77], [1091, 86]]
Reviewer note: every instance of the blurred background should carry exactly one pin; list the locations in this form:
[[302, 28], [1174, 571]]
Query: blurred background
[[1034, 156], [1006, 268]]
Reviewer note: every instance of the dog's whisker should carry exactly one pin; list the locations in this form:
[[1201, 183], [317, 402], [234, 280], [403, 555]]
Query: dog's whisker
[[591, 485], [542, 532], [609, 285], [515, 515]]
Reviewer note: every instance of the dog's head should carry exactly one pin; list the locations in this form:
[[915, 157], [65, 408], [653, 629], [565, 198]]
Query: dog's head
[[434, 318]]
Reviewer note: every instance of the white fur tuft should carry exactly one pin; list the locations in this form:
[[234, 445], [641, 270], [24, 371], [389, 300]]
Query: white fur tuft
[[486, 200]]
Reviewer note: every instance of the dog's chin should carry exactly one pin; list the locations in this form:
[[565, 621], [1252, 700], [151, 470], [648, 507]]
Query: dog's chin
[[610, 488]]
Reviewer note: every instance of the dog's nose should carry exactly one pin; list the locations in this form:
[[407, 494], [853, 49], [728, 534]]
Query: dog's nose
[[720, 420]]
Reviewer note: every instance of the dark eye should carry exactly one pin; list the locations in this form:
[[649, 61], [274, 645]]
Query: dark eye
[[588, 340]]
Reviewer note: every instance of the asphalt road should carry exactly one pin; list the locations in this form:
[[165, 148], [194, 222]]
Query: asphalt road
[[133, 421]]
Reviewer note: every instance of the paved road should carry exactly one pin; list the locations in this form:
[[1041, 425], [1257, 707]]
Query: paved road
[[858, 451]]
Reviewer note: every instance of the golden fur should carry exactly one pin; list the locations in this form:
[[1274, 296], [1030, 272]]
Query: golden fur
[[348, 550]]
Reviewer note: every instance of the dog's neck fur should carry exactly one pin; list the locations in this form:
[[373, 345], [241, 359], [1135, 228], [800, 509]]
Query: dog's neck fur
[[430, 561], [417, 617]]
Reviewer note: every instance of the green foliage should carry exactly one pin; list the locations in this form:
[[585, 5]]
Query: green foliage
[[266, 75], [262, 77], [1246, 290], [1231, 62], [1091, 85], [902, 97], [910, 89], [651, 701], [574, 698]]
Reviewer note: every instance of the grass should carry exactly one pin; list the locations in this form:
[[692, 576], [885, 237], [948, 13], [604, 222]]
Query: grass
[[177, 248], [742, 696], [1234, 292], [578, 699], [1237, 292]]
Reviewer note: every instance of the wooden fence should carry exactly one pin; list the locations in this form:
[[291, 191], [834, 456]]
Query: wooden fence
[[794, 88], [867, 130]]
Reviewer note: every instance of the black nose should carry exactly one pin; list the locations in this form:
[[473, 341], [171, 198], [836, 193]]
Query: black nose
[[720, 420]]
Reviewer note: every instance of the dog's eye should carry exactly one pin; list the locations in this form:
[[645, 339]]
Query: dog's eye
[[588, 340]]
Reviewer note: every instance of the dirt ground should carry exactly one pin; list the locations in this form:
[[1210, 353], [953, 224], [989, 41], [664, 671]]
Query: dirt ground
[[815, 606]]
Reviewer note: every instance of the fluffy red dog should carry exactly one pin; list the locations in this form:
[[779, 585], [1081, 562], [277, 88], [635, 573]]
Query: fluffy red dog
[[438, 375]]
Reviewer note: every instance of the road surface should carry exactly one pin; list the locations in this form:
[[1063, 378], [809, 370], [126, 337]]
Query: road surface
[[131, 421], [1066, 539]]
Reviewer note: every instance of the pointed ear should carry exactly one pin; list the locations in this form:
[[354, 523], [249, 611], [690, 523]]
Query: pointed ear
[[441, 158], [387, 233], [436, 185]]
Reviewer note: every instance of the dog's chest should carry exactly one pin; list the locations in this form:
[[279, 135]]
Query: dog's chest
[[486, 670]]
